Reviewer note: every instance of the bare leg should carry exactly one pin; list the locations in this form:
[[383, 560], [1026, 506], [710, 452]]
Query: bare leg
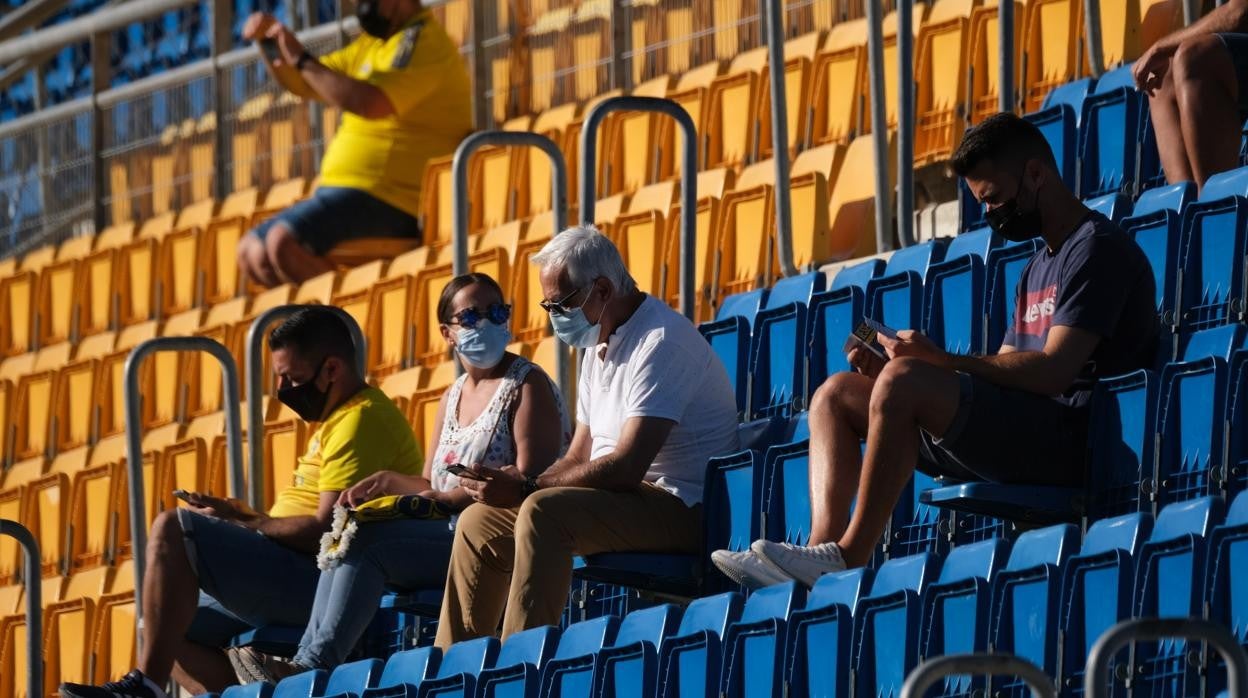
[[1208, 98], [292, 261], [1164, 109], [908, 395], [170, 597], [254, 261], [200, 669], [838, 422]]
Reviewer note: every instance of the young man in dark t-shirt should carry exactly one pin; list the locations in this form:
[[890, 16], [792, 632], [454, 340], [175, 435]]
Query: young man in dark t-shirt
[[1085, 309]]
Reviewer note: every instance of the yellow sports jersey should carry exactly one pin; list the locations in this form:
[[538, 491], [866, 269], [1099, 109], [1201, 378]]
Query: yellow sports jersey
[[420, 71], [364, 435]]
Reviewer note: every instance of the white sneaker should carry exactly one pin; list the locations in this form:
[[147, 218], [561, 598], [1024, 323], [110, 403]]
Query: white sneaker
[[747, 569], [803, 563]]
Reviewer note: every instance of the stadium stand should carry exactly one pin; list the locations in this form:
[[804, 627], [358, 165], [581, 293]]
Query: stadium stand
[[1160, 531]]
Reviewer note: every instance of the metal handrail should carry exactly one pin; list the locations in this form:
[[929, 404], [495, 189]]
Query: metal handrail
[[1092, 35], [134, 443], [905, 123], [1005, 55], [688, 176], [933, 670], [780, 136], [34, 603], [1145, 629], [254, 363], [879, 119], [461, 204]]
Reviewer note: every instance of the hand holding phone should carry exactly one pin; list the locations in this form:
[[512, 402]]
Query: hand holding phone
[[269, 48], [864, 336], [462, 471], [184, 495]]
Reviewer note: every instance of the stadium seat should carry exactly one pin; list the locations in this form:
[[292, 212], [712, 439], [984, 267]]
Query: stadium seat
[[1211, 253], [66, 641], [882, 656], [834, 314], [778, 365], [983, 59], [218, 263], [640, 236], [753, 646], [354, 289], [1111, 136], [307, 684], [799, 57], [46, 512], [689, 660], [953, 303], [896, 298], [353, 678], [1169, 584], [1225, 579], [404, 671], [1059, 121], [630, 663], [12, 508], [733, 105], [17, 296], [562, 675], [812, 176], [32, 414], [1156, 226], [819, 636], [957, 606], [13, 656], [1097, 587], [940, 75], [94, 505], [840, 71], [978, 242], [461, 664], [851, 203], [1003, 269], [1115, 207], [283, 444], [1050, 42], [74, 403], [1026, 595], [57, 307], [520, 662]]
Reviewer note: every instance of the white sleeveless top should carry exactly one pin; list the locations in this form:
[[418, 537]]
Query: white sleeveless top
[[488, 440]]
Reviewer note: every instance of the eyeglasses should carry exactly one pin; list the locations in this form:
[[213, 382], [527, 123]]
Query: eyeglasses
[[497, 313], [561, 307]]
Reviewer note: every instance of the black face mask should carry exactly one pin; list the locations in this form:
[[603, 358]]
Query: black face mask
[[368, 12], [1014, 224], [307, 400]]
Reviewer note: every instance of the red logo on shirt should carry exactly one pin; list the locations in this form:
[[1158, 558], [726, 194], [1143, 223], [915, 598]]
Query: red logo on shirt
[[1035, 312]]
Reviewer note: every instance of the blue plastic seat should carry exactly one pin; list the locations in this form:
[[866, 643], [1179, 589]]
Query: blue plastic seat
[[778, 362], [689, 661], [833, 316], [754, 645], [745, 305], [858, 275], [1026, 595], [1121, 444], [896, 299], [404, 672], [1156, 226], [1169, 584], [307, 684], [1097, 587], [255, 689], [978, 242], [1114, 206], [1227, 581], [954, 304], [970, 210], [1110, 137], [1234, 478], [629, 666], [730, 340], [916, 524], [517, 670], [1211, 253], [353, 678], [823, 631], [1004, 267], [956, 607], [579, 640], [461, 664], [795, 289], [1058, 120], [786, 493], [885, 621]]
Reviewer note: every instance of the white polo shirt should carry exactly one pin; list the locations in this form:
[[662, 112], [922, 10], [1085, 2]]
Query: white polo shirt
[[657, 364]]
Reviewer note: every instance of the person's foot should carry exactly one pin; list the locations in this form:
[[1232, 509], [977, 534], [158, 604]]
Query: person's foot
[[747, 569], [132, 685], [803, 563], [250, 665]]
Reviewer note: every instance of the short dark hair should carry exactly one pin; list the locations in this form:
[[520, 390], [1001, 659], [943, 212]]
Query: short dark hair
[[459, 283], [1004, 138], [314, 331]]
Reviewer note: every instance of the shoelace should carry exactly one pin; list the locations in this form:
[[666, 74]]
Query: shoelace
[[126, 685]]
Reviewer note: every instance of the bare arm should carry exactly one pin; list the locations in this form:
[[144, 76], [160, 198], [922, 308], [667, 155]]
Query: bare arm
[[1050, 371], [623, 469], [1151, 67], [298, 532], [256, 29], [537, 428], [319, 82]]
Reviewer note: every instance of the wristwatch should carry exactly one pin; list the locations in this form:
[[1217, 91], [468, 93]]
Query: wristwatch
[[303, 58], [529, 486]]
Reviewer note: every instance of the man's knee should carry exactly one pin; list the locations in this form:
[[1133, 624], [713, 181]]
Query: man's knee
[[280, 242], [165, 537], [544, 513], [900, 385], [1198, 58], [835, 395]]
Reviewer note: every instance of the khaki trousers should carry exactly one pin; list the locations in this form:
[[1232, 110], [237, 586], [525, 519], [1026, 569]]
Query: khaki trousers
[[521, 559]]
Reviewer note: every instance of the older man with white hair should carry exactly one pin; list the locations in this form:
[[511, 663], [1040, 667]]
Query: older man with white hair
[[653, 403]]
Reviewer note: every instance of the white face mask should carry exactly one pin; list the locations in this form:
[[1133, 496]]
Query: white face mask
[[484, 345]]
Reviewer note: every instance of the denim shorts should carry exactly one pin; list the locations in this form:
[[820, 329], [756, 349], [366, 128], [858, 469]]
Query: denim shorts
[[247, 580], [1237, 46], [337, 214], [1008, 436]]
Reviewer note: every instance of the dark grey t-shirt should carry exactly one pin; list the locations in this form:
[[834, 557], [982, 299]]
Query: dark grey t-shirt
[[1100, 281]]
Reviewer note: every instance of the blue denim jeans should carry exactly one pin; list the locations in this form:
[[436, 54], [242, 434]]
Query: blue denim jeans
[[406, 554]]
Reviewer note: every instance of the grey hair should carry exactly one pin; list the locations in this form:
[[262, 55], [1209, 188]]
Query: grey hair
[[586, 254]]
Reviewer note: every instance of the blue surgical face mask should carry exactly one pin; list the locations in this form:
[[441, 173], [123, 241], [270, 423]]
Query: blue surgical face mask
[[574, 328], [482, 346]]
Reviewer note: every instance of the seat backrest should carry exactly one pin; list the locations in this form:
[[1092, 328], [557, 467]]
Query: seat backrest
[[910, 573], [1114, 79], [1172, 196], [858, 275], [916, 258], [745, 304], [468, 657], [354, 677], [977, 242], [410, 666], [797, 289], [979, 560], [732, 492], [1072, 94], [843, 588], [533, 646], [304, 685], [1115, 207], [1126, 533], [711, 613], [1051, 545], [255, 689], [1195, 517], [1215, 341], [775, 601], [648, 625], [1226, 184], [587, 637], [1238, 513]]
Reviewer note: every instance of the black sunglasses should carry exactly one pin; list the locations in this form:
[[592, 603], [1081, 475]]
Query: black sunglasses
[[560, 306], [468, 318]]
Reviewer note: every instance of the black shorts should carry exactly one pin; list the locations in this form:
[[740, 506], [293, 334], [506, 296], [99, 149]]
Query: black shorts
[[1237, 46], [1010, 437]]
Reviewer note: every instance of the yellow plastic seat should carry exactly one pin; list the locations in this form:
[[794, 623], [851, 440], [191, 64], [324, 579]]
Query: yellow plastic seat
[[706, 229], [941, 52], [547, 46], [745, 234], [810, 179], [441, 375], [46, 515], [799, 58], [113, 637], [1157, 19], [178, 261], [217, 259], [437, 208], [10, 598], [422, 414], [851, 204], [284, 442], [53, 357], [13, 508], [97, 346], [494, 187], [734, 105], [641, 235], [838, 102], [691, 92], [17, 298], [403, 384], [163, 383], [543, 354], [728, 19], [1050, 47], [354, 290], [553, 123], [38, 258], [318, 290], [185, 465], [13, 656], [74, 404], [630, 154], [58, 300], [227, 324], [66, 642], [15, 367], [32, 416], [591, 46], [528, 321], [96, 500], [97, 287]]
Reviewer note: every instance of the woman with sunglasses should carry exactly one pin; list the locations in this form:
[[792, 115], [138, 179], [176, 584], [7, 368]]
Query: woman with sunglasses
[[503, 411]]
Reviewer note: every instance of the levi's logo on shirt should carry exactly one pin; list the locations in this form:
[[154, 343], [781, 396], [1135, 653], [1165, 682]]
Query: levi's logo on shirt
[[1036, 311]]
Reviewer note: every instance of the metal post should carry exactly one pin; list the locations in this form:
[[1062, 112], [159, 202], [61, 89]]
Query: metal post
[[222, 37], [621, 45], [905, 123], [780, 136], [1092, 31], [34, 604], [1005, 54], [1146, 629], [481, 112], [933, 670], [253, 362], [42, 148], [461, 202], [1191, 11], [688, 177], [100, 66], [879, 123], [134, 441]]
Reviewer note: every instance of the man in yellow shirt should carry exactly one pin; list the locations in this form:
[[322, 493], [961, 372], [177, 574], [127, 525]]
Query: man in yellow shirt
[[405, 97], [217, 568]]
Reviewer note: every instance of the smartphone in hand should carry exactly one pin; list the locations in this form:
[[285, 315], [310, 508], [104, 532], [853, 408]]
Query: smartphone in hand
[[463, 471], [269, 48], [183, 495], [864, 336]]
